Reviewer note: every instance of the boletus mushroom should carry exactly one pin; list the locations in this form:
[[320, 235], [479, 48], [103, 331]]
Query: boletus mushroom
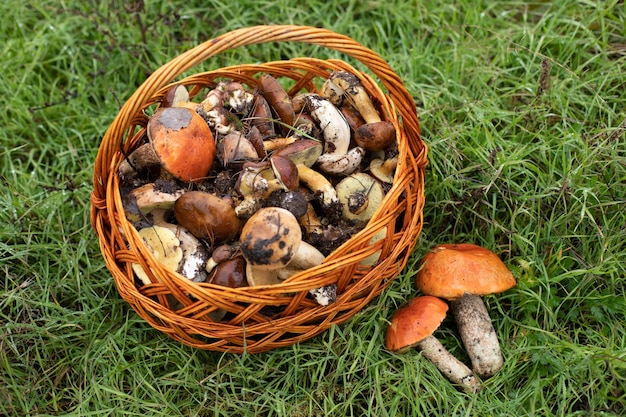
[[271, 242], [180, 144], [374, 134], [413, 326], [462, 273], [337, 158], [165, 248], [207, 216], [361, 195]]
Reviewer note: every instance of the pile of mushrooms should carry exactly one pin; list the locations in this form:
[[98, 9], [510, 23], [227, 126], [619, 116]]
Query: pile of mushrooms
[[460, 274], [249, 185]]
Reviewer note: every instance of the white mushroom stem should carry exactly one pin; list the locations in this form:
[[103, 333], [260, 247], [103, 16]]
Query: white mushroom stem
[[448, 365], [336, 159], [335, 128], [478, 335], [308, 256], [341, 163]]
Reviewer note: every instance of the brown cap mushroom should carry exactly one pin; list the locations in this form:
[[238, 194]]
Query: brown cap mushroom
[[271, 243], [413, 326], [462, 273], [375, 134], [207, 216]]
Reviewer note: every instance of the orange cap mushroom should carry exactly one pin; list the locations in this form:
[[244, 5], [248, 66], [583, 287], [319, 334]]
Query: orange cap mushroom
[[451, 270], [414, 322], [413, 326], [183, 142], [462, 273]]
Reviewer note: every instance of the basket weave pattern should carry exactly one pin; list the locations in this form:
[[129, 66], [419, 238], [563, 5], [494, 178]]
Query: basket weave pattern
[[267, 317]]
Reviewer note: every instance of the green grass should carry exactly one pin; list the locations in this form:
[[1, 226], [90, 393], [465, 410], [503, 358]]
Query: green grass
[[523, 106]]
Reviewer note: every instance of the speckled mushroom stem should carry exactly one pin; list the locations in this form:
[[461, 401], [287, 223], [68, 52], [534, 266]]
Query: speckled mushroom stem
[[448, 365], [478, 335]]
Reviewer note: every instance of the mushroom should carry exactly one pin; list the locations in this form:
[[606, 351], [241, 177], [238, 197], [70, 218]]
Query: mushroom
[[181, 144], [207, 216], [337, 157], [310, 222], [236, 96], [278, 99], [318, 183], [165, 248], [361, 195], [219, 119], [413, 326], [271, 242], [229, 273], [178, 96], [261, 117], [373, 258], [375, 134], [195, 254], [303, 151], [258, 180], [236, 149], [462, 273], [384, 170], [213, 100], [270, 238], [151, 201], [276, 143], [220, 254]]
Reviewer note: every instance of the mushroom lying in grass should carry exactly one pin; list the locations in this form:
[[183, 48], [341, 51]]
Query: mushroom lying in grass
[[413, 326], [462, 273], [180, 144]]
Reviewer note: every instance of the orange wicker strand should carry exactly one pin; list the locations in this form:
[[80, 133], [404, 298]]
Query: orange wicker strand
[[267, 317]]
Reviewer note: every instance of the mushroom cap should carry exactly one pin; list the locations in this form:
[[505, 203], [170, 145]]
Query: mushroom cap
[[375, 136], [183, 141], [451, 270], [384, 170], [270, 238], [362, 185], [414, 322], [207, 216], [165, 248]]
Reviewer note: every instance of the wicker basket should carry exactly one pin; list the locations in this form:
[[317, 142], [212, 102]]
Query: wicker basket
[[249, 327]]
